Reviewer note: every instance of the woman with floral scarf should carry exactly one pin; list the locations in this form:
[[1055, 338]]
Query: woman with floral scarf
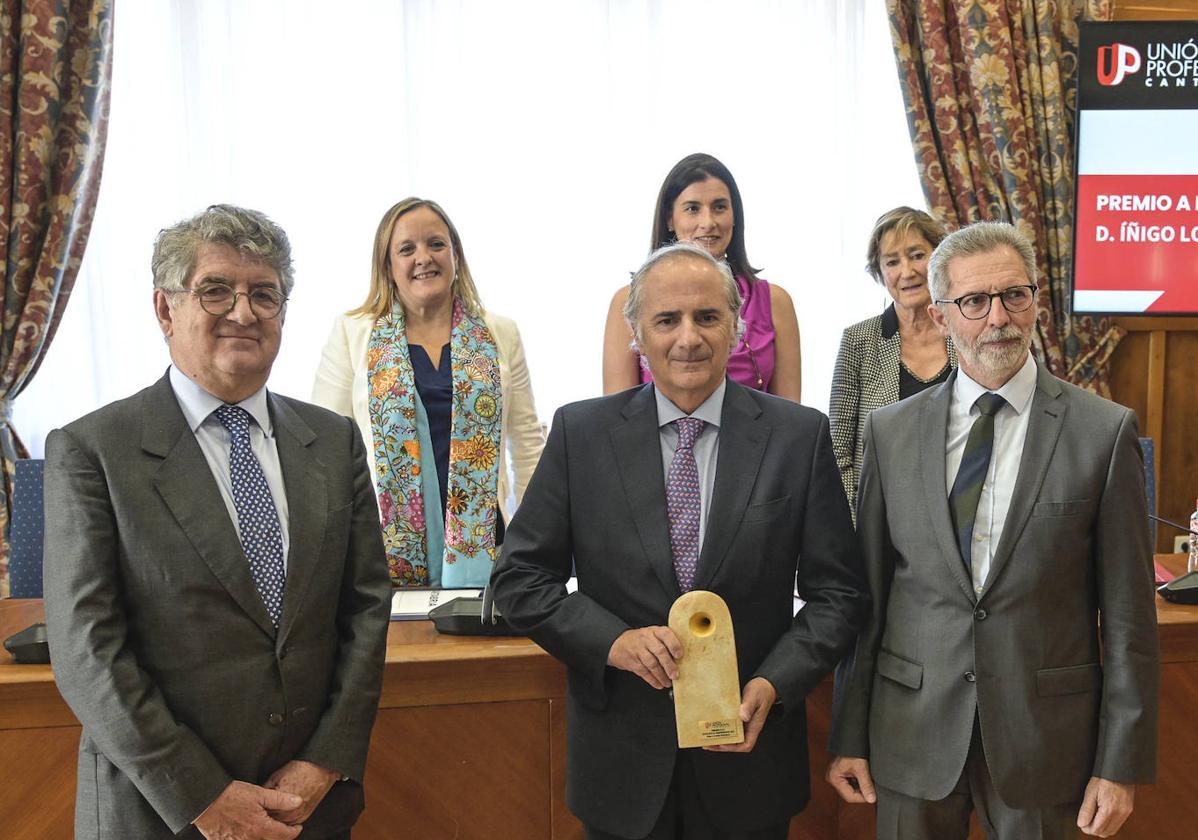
[[440, 390]]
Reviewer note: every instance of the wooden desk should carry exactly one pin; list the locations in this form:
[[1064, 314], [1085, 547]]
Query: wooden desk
[[470, 743]]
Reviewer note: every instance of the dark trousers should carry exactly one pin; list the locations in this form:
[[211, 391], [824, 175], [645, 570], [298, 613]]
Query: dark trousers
[[684, 816], [901, 817]]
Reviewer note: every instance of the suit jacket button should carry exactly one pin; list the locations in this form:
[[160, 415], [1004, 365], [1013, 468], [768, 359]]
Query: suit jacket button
[[979, 614], [275, 719], [970, 676]]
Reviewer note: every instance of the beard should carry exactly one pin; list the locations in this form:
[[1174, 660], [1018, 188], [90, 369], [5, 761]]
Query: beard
[[996, 353]]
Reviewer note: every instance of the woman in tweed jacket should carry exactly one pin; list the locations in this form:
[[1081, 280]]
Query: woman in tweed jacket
[[893, 355]]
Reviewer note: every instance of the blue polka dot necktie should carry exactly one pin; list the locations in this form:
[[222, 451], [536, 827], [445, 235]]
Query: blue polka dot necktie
[[257, 518], [971, 475], [683, 502]]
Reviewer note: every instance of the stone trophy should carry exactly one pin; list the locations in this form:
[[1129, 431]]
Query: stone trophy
[[707, 688]]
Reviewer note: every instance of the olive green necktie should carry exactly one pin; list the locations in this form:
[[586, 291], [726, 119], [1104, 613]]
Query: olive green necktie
[[971, 475]]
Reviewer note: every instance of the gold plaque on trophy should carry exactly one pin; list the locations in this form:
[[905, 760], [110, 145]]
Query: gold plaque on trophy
[[707, 688]]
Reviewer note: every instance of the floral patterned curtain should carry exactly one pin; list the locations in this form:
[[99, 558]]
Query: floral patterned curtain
[[990, 88], [55, 67]]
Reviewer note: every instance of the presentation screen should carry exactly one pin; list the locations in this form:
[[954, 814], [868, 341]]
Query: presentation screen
[[1136, 238]]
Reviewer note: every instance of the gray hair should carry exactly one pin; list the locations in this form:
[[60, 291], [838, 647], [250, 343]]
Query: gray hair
[[248, 232], [978, 238], [636, 294]]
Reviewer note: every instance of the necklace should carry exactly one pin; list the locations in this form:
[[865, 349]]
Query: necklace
[[753, 360], [933, 378]]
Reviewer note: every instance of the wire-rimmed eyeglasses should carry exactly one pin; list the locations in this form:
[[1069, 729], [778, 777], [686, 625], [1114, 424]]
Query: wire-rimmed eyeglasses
[[217, 299], [976, 305]]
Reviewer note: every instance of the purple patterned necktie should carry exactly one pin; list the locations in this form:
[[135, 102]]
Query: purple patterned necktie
[[257, 518], [683, 502]]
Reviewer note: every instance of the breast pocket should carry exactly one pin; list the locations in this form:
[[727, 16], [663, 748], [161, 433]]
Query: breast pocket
[[1076, 507], [769, 511]]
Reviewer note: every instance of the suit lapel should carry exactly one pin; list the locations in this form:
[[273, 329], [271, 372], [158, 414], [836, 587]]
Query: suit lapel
[[890, 352], [1044, 424], [307, 506], [184, 482], [637, 444], [741, 449], [933, 420]]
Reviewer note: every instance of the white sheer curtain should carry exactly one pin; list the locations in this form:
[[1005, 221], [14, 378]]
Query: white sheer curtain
[[543, 127]]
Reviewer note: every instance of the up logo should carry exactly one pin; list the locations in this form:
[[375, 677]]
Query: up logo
[[1115, 62]]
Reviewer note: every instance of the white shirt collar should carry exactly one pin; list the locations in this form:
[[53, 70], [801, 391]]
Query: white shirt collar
[[710, 410], [197, 404], [1017, 390]]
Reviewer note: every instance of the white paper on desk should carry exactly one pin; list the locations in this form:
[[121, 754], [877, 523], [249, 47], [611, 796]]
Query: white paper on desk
[[412, 604]]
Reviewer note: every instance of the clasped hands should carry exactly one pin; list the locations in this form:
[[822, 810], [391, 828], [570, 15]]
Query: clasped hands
[[653, 654], [1106, 805], [273, 811]]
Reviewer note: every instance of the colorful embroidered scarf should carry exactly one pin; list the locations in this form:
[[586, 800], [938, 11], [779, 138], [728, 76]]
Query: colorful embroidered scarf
[[473, 450]]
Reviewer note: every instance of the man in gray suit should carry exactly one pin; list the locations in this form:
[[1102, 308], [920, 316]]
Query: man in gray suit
[[216, 590], [753, 496], [1001, 515]]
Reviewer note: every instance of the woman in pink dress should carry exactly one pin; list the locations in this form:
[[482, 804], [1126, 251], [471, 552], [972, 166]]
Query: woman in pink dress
[[700, 202]]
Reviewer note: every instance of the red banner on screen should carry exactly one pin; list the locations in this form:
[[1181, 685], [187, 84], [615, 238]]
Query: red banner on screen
[[1139, 233]]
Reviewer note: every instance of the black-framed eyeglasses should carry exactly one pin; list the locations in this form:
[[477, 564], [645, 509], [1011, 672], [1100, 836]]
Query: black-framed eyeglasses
[[219, 300], [976, 305]]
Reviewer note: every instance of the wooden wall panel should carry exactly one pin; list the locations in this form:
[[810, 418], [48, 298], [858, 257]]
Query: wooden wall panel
[[564, 825], [1132, 366], [1129, 380], [37, 777], [457, 772], [1179, 457], [1169, 808], [1151, 373], [823, 816]]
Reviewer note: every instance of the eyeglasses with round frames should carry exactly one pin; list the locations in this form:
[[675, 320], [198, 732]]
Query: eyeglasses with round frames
[[219, 300], [976, 305]]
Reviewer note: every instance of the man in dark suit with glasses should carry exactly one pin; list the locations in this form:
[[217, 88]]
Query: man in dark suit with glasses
[[1001, 516], [216, 590]]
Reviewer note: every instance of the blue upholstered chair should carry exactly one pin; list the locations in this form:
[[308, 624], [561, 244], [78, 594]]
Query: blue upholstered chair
[[1149, 450], [26, 531]]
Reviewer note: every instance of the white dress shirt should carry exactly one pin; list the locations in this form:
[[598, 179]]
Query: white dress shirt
[[707, 444], [197, 406], [1010, 432]]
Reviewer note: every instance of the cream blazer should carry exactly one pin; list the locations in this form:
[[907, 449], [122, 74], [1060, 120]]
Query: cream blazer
[[341, 386]]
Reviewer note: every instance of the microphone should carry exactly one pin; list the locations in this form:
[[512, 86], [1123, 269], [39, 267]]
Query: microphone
[[1162, 519], [29, 647], [471, 617], [1183, 589]]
